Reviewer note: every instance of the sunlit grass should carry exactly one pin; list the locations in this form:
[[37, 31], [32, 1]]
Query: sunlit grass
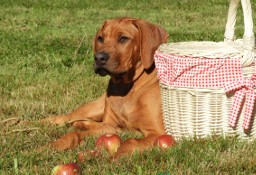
[[46, 69]]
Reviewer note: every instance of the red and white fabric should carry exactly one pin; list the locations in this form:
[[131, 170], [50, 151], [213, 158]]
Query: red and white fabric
[[183, 71]]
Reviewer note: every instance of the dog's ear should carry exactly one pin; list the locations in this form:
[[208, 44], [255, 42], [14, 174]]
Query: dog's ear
[[151, 36]]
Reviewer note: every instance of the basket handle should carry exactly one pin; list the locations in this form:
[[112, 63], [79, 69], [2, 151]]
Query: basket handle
[[248, 38]]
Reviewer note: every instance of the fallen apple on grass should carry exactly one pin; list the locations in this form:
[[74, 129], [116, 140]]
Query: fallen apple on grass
[[110, 142], [67, 169], [164, 141]]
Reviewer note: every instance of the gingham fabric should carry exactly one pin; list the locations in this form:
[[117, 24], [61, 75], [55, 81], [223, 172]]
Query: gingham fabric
[[182, 71], [244, 88]]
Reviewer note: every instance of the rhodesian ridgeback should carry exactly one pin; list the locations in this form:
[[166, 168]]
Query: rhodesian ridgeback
[[123, 49]]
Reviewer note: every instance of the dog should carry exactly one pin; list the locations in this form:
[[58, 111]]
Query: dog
[[124, 50]]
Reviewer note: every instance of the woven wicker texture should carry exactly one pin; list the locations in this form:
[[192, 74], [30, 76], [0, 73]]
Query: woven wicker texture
[[191, 111]]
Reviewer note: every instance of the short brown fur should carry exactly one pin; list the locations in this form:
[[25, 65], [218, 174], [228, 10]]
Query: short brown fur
[[123, 49]]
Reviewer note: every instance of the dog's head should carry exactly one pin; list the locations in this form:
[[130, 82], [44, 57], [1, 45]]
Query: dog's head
[[123, 45]]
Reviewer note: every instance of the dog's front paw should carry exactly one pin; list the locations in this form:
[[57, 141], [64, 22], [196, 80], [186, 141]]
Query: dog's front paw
[[127, 148]]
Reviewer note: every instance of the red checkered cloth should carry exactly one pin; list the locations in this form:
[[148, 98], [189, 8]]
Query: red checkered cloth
[[183, 71], [243, 88]]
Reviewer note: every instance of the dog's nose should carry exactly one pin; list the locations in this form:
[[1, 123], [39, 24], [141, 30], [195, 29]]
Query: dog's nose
[[101, 58]]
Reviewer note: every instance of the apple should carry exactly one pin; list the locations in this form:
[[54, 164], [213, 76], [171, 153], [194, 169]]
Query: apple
[[164, 141], [67, 169], [87, 154], [110, 142]]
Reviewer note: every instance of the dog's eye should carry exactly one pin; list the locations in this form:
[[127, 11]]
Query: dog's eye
[[123, 39], [100, 39]]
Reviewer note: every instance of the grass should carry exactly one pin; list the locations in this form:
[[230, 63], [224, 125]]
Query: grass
[[46, 69]]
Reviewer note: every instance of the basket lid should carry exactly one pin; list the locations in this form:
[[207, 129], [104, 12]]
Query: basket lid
[[204, 49]]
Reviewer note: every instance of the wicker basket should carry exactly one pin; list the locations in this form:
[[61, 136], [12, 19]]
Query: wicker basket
[[207, 88]]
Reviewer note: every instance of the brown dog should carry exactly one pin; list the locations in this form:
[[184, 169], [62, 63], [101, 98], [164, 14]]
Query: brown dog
[[123, 49]]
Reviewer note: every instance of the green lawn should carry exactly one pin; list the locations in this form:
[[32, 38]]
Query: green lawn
[[46, 69]]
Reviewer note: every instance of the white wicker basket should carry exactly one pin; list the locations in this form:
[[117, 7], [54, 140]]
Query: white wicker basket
[[201, 111]]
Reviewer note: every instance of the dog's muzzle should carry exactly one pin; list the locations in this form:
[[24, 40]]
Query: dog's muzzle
[[101, 59]]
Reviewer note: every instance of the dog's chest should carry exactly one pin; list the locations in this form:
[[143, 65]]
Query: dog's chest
[[123, 108], [128, 103]]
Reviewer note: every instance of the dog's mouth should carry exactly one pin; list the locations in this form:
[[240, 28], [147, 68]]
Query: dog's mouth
[[102, 72]]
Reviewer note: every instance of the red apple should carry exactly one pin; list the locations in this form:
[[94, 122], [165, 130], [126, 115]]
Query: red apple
[[111, 142], [87, 154], [67, 169], [164, 141]]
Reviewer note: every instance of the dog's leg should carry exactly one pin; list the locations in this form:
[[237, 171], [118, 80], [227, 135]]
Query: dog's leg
[[73, 139], [90, 125], [92, 111], [132, 145]]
